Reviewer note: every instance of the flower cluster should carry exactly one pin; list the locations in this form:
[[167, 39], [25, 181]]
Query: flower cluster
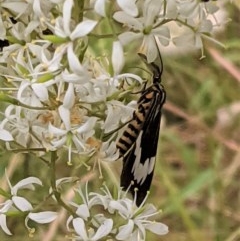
[[66, 91], [59, 93], [123, 220]]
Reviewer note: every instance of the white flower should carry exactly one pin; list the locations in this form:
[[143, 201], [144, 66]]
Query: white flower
[[108, 151], [78, 73], [146, 28], [73, 137], [52, 61], [27, 183], [83, 210], [30, 90], [16, 201], [96, 228], [194, 37], [18, 122], [103, 85], [117, 112], [40, 8], [63, 24], [59, 183], [137, 218], [138, 222], [103, 230]]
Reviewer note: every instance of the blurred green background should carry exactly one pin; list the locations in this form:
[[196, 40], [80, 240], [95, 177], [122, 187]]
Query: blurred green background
[[197, 180], [197, 177]]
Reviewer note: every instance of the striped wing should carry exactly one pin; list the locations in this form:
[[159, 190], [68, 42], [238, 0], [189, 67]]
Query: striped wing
[[139, 147]]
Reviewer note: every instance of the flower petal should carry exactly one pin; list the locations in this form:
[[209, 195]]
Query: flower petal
[[3, 224], [83, 211], [163, 34], [6, 206], [127, 37], [79, 227], [83, 28], [74, 62], [67, 9], [22, 204], [63, 180], [103, 230], [65, 116], [18, 7], [88, 125], [56, 131], [69, 97], [117, 57], [151, 9], [130, 21], [157, 228], [125, 230], [43, 217], [69, 220], [40, 91], [5, 135], [26, 183], [128, 6], [99, 7]]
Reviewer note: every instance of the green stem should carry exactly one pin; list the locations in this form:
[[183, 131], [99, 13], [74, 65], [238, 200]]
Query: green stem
[[56, 193], [78, 10], [102, 35], [28, 150], [11, 100]]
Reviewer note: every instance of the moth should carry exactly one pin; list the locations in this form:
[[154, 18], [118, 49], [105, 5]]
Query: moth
[[138, 143]]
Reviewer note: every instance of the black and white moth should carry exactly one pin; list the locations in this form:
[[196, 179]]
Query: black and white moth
[[138, 143]]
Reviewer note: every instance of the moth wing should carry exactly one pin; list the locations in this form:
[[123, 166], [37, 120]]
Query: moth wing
[[138, 165]]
